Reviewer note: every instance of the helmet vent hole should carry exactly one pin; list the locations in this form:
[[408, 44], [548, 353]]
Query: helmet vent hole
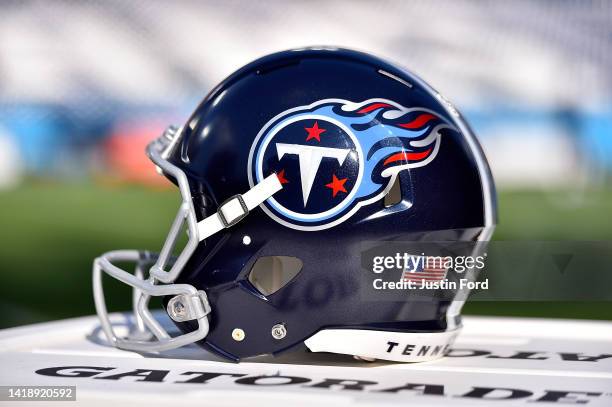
[[271, 273], [394, 195]]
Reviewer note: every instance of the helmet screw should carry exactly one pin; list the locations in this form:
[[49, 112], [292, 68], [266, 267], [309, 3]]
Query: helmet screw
[[238, 334], [279, 331], [176, 308]]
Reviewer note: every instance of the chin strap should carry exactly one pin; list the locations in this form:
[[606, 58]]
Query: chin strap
[[384, 345], [236, 207]]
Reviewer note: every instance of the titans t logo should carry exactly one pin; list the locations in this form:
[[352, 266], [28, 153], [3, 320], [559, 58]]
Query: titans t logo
[[335, 156]]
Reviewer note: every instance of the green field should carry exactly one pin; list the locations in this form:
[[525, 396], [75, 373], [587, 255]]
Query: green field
[[51, 232]]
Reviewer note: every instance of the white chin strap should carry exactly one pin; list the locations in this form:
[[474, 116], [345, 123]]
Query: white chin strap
[[385, 345], [237, 207], [186, 302]]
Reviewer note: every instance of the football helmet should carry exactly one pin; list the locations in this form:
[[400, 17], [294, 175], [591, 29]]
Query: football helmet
[[284, 169]]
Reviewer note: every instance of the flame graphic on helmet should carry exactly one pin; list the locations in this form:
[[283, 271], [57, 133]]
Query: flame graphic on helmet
[[392, 137]]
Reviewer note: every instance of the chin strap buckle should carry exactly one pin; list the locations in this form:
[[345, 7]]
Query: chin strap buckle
[[187, 307], [232, 210], [237, 207]]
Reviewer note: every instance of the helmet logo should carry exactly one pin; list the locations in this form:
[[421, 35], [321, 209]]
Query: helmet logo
[[335, 156], [309, 158]]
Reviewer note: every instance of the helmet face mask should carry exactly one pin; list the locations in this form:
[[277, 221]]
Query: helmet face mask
[[285, 169]]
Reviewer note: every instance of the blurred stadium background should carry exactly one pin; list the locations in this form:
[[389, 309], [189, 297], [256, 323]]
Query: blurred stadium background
[[85, 85]]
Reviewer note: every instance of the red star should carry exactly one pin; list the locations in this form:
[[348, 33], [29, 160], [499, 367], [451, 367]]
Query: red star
[[281, 177], [337, 185], [314, 132]]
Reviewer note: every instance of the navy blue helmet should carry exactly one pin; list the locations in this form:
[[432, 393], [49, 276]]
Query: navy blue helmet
[[285, 169]]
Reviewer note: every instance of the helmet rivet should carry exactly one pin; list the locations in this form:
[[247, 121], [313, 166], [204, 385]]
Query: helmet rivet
[[279, 331], [238, 334], [178, 308]]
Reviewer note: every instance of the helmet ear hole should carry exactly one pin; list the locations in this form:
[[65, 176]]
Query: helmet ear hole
[[394, 195], [271, 273]]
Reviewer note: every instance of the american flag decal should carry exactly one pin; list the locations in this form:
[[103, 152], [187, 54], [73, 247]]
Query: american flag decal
[[424, 270]]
